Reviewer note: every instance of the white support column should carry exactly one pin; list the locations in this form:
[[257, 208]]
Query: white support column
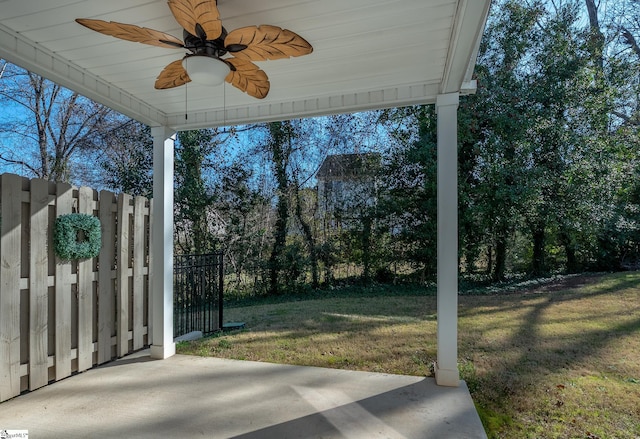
[[162, 345], [447, 362]]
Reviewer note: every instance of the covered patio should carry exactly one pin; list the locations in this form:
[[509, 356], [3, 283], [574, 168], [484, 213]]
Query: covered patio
[[367, 54], [188, 397]]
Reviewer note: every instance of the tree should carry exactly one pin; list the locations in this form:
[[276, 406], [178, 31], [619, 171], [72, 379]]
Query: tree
[[500, 112], [307, 232], [127, 160], [192, 196], [625, 61], [246, 214], [541, 127], [408, 200], [616, 240], [280, 146], [558, 60], [50, 125]]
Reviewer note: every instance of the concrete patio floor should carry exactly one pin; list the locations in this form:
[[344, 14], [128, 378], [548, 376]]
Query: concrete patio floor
[[188, 397]]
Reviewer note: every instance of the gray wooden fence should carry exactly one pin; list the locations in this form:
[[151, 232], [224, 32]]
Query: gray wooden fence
[[62, 317]]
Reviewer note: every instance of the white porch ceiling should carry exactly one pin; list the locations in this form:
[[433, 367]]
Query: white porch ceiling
[[367, 54]]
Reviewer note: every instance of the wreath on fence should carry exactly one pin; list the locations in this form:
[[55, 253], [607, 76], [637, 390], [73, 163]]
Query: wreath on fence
[[77, 236]]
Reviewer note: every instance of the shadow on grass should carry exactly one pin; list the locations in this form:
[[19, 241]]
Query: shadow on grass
[[562, 331]]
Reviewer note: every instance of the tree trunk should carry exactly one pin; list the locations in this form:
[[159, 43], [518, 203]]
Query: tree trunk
[[309, 239], [631, 41], [570, 251], [279, 242], [489, 260], [538, 266], [279, 136], [191, 195], [470, 256], [501, 258], [366, 249], [597, 39]]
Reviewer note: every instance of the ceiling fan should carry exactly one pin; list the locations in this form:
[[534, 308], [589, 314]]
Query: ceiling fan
[[210, 45]]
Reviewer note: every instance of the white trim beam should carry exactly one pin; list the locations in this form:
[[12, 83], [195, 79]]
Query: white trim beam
[[416, 94], [447, 361], [162, 344], [465, 44]]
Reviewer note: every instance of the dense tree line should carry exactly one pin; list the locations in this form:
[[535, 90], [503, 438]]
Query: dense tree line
[[548, 164]]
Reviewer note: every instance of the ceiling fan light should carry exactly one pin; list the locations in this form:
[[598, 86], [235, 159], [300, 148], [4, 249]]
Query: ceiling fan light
[[206, 70]]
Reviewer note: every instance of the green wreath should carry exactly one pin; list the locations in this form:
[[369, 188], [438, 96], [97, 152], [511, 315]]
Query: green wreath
[[77, 236]]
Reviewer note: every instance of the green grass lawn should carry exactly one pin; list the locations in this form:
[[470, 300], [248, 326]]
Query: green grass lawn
[[561, 360]]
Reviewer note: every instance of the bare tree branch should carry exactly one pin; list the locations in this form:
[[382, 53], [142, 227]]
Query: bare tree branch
[[21, 163], [627, 119], [631, 41]]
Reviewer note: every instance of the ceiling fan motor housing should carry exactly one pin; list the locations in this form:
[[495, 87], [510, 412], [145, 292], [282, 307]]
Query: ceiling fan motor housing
[[199, 46]]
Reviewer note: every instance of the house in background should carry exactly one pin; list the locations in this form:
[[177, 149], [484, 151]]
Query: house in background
[[347, 185]]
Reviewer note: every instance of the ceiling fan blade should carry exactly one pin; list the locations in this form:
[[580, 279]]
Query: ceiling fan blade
[[173, 75], [197, 16], [248, 77], [260, 43], [131, 32]]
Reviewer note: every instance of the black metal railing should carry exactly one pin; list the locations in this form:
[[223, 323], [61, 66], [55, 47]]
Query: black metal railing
[[197, 293]]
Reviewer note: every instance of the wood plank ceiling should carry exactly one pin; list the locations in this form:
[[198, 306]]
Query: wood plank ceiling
[[367, 54]]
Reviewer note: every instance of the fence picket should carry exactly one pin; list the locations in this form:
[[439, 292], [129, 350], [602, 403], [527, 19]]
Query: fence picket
[[38, 284], [64, 203], [85, 293], [106, 290], [122, 274], [150, 277], [10, 244], [138, 273]]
